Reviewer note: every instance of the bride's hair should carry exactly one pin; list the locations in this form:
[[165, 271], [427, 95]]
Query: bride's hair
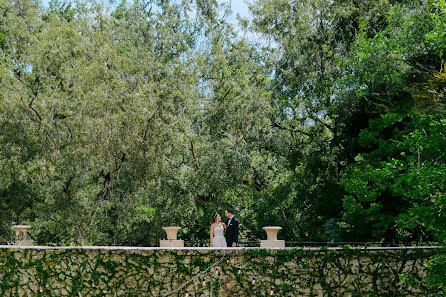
[[214, 217]]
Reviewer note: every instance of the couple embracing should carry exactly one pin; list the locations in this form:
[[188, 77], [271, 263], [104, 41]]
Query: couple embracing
[[220, 238]]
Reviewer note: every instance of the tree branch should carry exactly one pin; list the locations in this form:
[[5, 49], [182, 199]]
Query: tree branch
[[277, 125], [193, 155], [35, 93], [260, 189], [30, 105]]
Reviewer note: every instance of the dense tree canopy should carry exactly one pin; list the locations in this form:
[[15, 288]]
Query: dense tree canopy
[[119, 119]]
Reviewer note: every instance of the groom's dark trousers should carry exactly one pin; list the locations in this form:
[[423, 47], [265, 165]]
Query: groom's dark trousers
[[232, 232]]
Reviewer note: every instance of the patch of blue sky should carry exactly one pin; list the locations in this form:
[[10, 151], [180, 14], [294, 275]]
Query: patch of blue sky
[[239, 7]]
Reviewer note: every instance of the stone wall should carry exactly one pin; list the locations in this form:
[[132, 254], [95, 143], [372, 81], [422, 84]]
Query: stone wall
[[125, 271]]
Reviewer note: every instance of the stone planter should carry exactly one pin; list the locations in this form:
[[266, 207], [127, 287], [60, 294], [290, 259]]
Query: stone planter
[[271, 232], [21, 235], [271, 238], [172, 240], [171, 232]]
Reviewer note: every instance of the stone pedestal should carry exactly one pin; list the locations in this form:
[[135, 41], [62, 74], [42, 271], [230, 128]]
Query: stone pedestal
[[271, 235], [272, 243], [172, 240], [21, 235], [172, 243]]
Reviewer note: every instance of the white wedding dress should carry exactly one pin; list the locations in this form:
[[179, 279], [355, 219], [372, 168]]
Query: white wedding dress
[[219, 239]]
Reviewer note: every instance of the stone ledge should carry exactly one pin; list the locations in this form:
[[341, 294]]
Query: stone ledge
[[204, 249]]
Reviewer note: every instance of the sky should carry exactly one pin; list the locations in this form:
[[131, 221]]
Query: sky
[[240, 7]]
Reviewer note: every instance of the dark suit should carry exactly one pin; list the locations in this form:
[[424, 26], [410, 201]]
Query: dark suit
[[232, 231]]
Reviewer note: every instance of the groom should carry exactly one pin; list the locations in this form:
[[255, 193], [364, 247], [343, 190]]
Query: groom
[[232, 228]]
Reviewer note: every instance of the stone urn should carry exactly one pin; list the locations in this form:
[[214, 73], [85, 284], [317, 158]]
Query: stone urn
[[271, 238], [172, 240], [21, 235], [171, 232]]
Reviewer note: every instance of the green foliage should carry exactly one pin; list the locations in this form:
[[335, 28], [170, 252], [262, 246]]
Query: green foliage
[[118, 120], [436, 37], [88, 130], [437, 276], [396, 187]]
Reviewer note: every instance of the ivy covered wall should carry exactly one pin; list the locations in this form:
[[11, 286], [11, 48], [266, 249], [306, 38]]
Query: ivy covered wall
[[98, 271]]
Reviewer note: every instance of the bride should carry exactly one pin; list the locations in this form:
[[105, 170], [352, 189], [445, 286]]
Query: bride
[[217, 234]]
